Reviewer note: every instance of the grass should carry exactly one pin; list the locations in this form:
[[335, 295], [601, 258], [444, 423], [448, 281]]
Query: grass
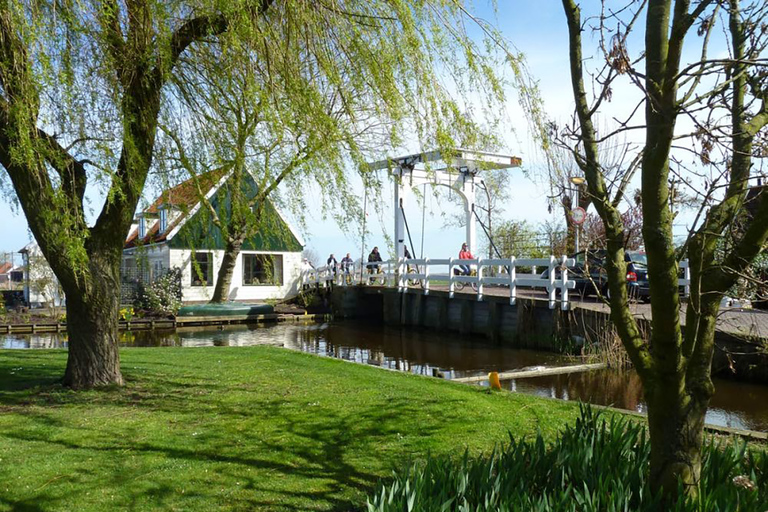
[[254, 428]]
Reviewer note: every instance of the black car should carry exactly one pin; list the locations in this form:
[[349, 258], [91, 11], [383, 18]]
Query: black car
[[591, 277]]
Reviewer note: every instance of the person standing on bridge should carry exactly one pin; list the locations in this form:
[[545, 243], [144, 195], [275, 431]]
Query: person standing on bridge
[[332, 264], [347, 264], [464, 254], [374, 257]]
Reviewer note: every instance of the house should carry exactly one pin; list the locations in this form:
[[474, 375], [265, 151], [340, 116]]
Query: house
[[177, 231], [10, 276], [41, 287]]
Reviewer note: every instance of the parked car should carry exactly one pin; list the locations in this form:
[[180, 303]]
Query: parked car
[[590, 275]]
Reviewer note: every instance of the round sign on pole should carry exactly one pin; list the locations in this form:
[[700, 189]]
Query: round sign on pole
[[578, 215]]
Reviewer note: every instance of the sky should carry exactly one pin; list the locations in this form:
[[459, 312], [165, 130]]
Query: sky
[[538, 29]]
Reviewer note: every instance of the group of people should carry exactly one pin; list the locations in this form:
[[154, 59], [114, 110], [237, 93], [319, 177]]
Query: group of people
[[374, 261], [346, 267]]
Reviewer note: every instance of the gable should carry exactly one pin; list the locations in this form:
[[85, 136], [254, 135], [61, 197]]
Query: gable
[[199, 232]]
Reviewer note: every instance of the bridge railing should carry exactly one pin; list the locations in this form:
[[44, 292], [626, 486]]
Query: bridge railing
[[414, 273], [485, 272], [406, 274]]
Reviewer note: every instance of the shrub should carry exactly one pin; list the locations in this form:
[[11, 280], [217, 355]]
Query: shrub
[[163, 295], [595, 465]]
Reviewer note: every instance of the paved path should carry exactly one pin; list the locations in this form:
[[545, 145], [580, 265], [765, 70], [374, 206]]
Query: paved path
[[736, 321]]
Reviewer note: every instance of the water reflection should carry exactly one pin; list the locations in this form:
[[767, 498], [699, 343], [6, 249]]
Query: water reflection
[[439, 354]]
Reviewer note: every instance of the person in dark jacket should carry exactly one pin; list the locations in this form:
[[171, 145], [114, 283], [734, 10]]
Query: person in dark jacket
[[332, 264], [374, 257]]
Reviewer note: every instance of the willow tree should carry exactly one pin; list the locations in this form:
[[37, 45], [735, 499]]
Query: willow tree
[[83, 85], [299, 119], [699, 117], [301, 133]]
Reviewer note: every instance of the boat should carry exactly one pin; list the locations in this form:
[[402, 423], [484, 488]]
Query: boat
[[225, 309]]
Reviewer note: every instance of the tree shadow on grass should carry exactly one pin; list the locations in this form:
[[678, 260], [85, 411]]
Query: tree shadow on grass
[[317, 457]]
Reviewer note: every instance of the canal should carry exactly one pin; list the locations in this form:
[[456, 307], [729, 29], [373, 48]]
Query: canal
[[735, 404]]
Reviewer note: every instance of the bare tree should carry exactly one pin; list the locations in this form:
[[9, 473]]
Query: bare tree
[[724, 99]]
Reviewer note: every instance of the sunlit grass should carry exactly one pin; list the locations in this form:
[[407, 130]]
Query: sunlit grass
[[254, 428]]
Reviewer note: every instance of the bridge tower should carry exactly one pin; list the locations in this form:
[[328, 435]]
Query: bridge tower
[[458, 170]]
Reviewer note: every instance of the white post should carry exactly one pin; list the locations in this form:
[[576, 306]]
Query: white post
[[426, 276], [450, 277], [468, 190], [399, 218], [551, 287], [512, 281], [479, 279], [564, 285]]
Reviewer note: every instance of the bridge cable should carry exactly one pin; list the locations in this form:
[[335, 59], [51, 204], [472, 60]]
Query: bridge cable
[[490, 238], [407, 230]]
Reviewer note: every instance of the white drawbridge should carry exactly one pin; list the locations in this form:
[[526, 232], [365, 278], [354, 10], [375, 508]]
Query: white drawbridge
[[460, 170]]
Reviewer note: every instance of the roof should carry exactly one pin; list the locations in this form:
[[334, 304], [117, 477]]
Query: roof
[[183, 197], [192, 228], [5, 268]]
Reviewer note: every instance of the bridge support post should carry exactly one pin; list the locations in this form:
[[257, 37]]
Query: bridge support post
[[442, 312], [492, 328], [465, 325]]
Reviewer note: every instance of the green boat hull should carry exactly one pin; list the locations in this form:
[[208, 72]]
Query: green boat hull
[[226, 309]]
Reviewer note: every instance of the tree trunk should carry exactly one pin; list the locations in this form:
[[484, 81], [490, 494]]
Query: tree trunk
[[92, 324], [676, 424], [227, 268]]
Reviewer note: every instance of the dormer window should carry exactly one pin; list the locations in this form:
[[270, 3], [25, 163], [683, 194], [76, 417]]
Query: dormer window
[[142, 227], [163, 219]]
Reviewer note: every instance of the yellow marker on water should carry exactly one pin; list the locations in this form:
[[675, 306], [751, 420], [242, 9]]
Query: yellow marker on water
[[493, 379]]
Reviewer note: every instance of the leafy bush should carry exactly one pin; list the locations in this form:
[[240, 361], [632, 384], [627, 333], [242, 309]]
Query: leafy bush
[[595, 465], [163, 295]]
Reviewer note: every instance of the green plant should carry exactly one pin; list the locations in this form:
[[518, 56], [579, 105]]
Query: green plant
[[126, 314], [163, 295], [594, 465]]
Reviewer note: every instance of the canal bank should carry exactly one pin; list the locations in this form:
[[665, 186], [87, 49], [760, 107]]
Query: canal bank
[[585, 328], [436, 354]]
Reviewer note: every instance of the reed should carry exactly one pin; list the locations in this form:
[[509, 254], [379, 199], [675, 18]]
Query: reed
[[598, 464]]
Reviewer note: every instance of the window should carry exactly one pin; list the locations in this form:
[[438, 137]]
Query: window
[[262, 269], [163, 220], [202, 271], [142, 227]]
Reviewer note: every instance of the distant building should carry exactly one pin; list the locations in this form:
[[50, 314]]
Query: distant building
[[176, 231], [41, 288], [10, 275]]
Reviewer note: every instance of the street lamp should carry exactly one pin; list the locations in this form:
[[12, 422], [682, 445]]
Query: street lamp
[[578, 181]]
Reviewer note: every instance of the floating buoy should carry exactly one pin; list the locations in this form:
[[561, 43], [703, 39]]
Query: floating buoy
[[493, 379]]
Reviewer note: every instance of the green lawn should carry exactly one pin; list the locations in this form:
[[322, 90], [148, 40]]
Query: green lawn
[[217, 428]]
